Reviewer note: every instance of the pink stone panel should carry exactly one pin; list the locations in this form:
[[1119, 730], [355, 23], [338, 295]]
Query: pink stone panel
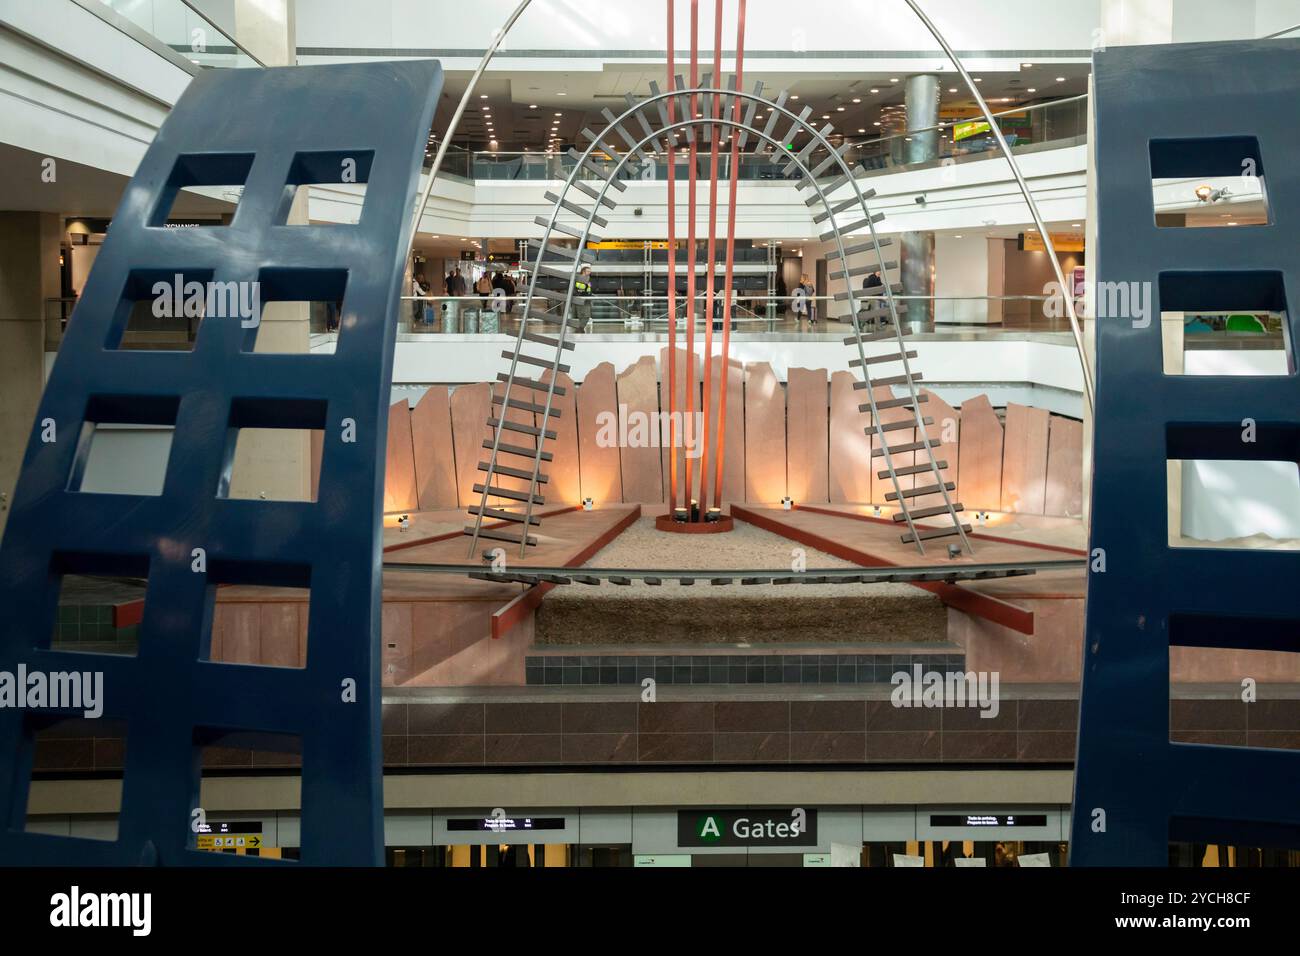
[[733, 459], [947, 424], [241, 642], [278, 629], [396, 637], [1052, 654], [1024, 459], [1217, 665], [980, 471], [219, 624], [399, 463], [638, 394], [850, 447], [470, 407], [481, 661], [687, 428], [1064, 468], [807, 436], [598, 457], [764, 435], [564, 471], [435, 458]]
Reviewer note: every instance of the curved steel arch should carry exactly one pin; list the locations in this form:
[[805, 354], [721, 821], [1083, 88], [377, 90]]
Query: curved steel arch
[[1085, 369], [762, 135]]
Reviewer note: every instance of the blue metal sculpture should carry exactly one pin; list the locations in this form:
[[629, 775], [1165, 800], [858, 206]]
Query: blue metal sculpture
[[1193, 110], [269, 130]]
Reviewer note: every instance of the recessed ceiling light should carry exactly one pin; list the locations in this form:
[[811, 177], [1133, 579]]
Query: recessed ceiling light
[[1074, 225], [558, 114], [979, 79], [1232, 223], [876, 123], [1060, 79], [482, 96], [958, 236], [795, 97], [952, 89], [532, 106], [873, 90], [1026, 66], [561, 93], [1031, 90], [893, 79], [862, 131], [839, 109], [857, 99], [826, 116]]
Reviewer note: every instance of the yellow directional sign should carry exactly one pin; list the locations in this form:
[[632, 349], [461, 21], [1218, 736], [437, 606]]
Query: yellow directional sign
[[229, 840]]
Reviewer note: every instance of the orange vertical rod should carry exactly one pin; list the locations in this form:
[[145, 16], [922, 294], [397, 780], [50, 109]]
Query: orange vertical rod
[[672, 279], [711, 265], [689, 420], [731, 259]]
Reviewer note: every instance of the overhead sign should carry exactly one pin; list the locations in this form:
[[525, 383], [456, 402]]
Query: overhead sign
[[628, 244], [702, 828], [502, 824], [230, 836], [1064, 242], [988, 820]]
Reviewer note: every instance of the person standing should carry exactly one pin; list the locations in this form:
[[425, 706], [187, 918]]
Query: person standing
[[582, 298]]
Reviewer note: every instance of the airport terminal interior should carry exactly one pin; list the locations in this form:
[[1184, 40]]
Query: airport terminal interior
[[685, 433]]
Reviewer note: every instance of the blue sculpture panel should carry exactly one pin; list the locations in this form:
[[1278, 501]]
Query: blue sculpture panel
[[1165, 112], [268, 131]]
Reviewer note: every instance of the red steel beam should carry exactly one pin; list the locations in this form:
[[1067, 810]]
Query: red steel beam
[[731, 261], [972, 602], [981, 536], [710, 269], [520, 607], [672, 276], [690, 252]]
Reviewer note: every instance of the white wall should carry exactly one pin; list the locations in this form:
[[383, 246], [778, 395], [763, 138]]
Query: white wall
[[574, 27], [961, 268]]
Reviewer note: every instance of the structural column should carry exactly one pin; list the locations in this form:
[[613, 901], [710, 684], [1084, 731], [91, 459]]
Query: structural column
[[29, 274], [921, 97]]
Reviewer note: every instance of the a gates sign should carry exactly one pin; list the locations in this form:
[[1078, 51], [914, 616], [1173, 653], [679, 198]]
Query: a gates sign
[[795, 827]]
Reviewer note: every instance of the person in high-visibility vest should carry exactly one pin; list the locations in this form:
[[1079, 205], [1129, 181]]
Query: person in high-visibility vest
[[582, 298]]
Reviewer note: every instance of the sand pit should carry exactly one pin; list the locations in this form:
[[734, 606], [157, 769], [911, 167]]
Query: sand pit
[[640, 613]]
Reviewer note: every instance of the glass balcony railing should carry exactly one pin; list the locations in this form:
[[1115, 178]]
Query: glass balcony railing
[[177, 26], [1043, 126], [641, 315]]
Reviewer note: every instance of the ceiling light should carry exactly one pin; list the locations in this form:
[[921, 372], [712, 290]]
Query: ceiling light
[[482, 96], [979, 79], [839, 109], [874, 90], [826, 116], [561, 93], [1026, 66], [1074, 225], [1031, 90], [952, 89], [1232, 223], [795, 97], [532, 106], [1060, 79], [876, 123], [559, 114], [862, 131], [893, 79], [857, 99], [958, 236]]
